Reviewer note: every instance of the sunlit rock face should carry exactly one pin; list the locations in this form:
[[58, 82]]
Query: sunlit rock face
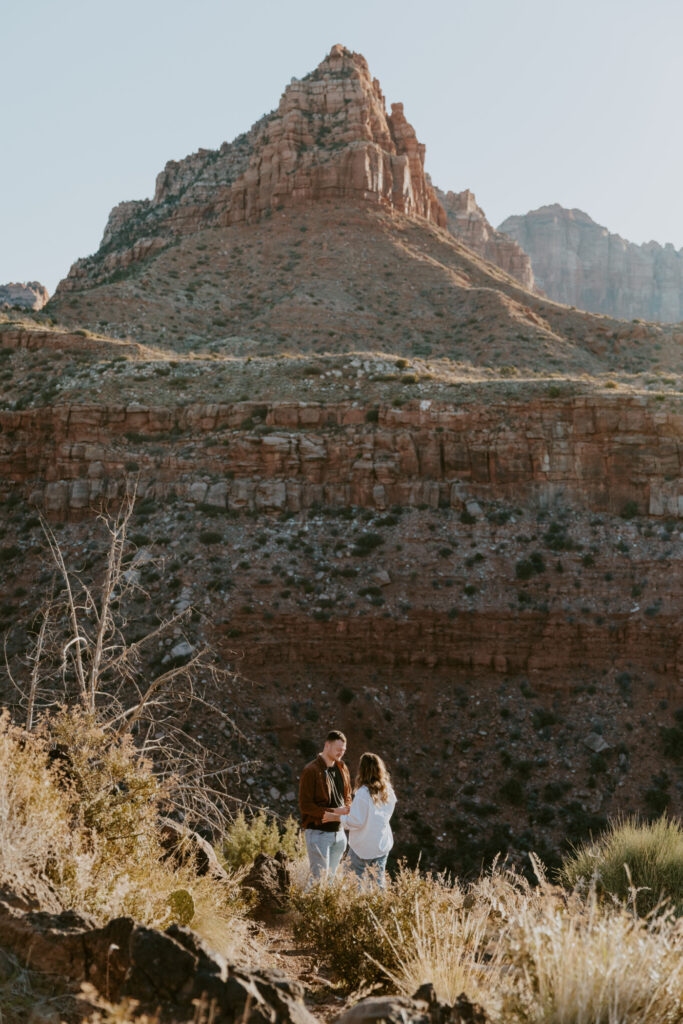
[[330, 138], [467, 221]]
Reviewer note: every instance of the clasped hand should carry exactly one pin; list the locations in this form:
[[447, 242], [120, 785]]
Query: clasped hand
[[334, 814]]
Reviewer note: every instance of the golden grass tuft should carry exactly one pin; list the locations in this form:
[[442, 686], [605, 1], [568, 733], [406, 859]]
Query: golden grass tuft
[[633, 860]]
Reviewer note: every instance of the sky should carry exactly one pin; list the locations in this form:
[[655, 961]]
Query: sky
[[525, 102]]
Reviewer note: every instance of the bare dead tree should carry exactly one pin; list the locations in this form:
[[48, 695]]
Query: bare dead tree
[[81, 656]]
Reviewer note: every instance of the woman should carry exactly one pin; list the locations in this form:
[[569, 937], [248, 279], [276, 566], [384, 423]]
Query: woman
[[367, 820]]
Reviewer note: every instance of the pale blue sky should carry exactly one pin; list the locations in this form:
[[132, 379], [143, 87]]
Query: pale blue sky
[[525, 102]]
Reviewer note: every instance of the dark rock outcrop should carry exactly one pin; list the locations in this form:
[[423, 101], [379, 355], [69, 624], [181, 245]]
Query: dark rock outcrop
[[269, 881], [423, 1008], [165, 972]]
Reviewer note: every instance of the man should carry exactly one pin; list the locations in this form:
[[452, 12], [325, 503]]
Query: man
[[325, 785]]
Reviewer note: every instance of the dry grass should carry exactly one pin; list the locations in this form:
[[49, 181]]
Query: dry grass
[[453, 951], [527, 954], [590, 962]]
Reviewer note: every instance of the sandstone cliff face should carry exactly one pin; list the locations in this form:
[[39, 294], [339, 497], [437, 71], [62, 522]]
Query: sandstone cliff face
[[330, 138], [581, 263], [32, 295], [467, 221], [595, 451]]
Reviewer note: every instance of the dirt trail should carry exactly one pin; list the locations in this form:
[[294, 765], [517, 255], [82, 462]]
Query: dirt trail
[[322, 998]]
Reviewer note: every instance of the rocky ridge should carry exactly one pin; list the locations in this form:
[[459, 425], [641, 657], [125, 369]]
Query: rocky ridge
[[330, 138], [468, 222], [581, 263], [600, 451]]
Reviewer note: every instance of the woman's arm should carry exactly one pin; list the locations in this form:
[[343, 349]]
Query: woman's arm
[[358, 813]]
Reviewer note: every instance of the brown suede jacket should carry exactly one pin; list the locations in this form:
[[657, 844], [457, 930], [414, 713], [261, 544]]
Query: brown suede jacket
[[314, 794]]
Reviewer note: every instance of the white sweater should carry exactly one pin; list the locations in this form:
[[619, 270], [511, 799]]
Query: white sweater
[[368, 825]]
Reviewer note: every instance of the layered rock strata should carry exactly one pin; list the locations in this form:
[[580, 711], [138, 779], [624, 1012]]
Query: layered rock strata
[[549, 645], [581, 263], [32, 295], [597, 451], [467, 221], [330, 138]]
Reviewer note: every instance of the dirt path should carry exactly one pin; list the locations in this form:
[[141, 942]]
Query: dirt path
[[323, 998]]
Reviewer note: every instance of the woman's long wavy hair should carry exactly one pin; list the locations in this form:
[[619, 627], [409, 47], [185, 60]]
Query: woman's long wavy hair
[[372, 772]]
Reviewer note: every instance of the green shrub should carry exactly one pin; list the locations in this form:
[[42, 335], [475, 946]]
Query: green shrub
[[352, 929], [210, 536], [366, 543], [557, 539], [247, 837], [513, 791], [672, 741], [653, 852], [531, 566]]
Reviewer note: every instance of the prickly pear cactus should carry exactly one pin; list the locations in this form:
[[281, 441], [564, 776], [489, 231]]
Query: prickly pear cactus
[[181, 906]]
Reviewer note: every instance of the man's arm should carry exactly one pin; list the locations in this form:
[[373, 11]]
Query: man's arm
[[308, 805]]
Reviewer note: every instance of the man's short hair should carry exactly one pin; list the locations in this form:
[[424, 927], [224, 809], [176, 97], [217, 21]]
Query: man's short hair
[[333, 735]]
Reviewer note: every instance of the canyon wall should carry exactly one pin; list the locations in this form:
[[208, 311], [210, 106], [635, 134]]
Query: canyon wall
[[598, 451], [581, 263]]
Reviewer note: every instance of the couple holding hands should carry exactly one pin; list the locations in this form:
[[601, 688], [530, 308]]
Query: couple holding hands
[[329, 810]]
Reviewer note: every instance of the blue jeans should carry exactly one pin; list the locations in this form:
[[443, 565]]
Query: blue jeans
[[324, 851], [368, 869]]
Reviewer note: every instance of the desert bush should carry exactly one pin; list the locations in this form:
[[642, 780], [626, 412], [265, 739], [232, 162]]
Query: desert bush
[[635, 860], [365, 935], [112, 786], [367, 542], [34, 817], [525, 568], [247, 837], [55, 826]]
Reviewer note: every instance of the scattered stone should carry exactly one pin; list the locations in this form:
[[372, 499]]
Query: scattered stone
[[182, 650], [595, 742], [474, 509]]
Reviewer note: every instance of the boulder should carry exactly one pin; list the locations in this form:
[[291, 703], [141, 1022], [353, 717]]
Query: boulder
[[182, 844], [269, 881], [423, 1008]]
